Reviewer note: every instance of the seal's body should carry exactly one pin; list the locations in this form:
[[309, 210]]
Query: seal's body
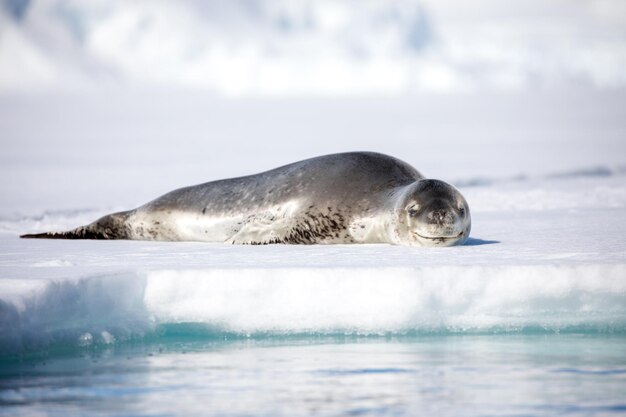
[[358, 197]]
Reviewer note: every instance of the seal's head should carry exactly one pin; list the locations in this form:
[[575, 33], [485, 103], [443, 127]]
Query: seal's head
[[432, 213]]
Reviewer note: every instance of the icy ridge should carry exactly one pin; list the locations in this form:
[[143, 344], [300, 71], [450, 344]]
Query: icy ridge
[[277, 302]]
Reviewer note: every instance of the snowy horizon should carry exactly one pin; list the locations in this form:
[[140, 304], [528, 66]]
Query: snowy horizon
[[311, 48]]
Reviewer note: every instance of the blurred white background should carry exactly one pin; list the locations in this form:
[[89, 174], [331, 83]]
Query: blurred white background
[[114, 102], [245, 48]]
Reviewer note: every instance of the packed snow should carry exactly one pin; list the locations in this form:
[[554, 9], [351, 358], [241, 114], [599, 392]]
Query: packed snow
[[544, 175]]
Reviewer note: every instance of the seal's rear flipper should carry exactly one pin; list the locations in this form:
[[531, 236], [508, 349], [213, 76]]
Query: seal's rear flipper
[[47, 235], [85, 232], [111, 226]]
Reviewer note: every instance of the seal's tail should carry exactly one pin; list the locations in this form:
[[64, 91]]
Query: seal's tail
[[111, 226]]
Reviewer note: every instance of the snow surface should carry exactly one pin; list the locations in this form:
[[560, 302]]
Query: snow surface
[[544, 175]]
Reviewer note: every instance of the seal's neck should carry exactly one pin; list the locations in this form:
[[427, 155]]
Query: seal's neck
[[380, 226], [395, 221]]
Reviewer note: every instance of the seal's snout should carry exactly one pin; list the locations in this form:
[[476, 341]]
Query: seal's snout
[[439, 217], [440, 222]]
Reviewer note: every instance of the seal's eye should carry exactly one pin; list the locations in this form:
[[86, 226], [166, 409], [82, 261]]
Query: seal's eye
[[412, 209], [462, 211]]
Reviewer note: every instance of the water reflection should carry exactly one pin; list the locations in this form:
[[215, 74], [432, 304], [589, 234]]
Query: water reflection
[[452, 375]]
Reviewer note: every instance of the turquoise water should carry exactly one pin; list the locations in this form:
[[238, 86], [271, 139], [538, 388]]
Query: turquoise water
[[432, 375]]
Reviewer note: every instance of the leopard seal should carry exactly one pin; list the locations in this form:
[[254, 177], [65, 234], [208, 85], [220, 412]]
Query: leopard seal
[[356, 197]]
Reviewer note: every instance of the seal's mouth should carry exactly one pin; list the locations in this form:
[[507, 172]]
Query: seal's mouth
[[440, 238]]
